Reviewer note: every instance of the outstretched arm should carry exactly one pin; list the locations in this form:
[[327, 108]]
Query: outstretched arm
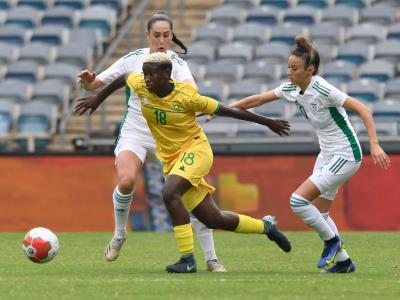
[[378, 155], [255, 100], [280, 127], [93, 102]]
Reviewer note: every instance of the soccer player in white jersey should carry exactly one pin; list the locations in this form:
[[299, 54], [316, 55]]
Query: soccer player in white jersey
[[135, 138], [324, 106]]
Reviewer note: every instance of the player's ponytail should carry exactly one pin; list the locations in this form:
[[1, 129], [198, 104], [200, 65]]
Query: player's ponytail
[[305, 49], [161, 16]]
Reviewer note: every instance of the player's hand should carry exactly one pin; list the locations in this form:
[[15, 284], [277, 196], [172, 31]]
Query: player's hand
[[86, 77], [85, 103], [280, 127], [379, 157]]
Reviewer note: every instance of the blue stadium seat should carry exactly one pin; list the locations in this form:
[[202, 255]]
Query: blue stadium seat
[[352, 3], [392, 89], [275, 109], [215, 89], [367, 33], [220, 70], [77, 54], [394, 32], [214, 34], [367, 90], [119, 6], [24, 17], [339, 71], [196, 69], [304, 15], [74, 4], [235, 53], [380, 14], [8, 53], [201, 53], [16, 91], [388, 109], [326, 33], [36, 4], [355, 52], [260, 71], [6, 4], [60, 16], [100, 18], [243, 88], [286, 33], [8, 115], [378, 69], [227, 15], [14, 35], [250, 33], [38, 52], [314, 3], [26, 71], [388, 50], [265, 15], [52, 91], [273, 52], [341, 15], [247, 4], [88, 36], [62, 71], [52, 35], [282, 4]]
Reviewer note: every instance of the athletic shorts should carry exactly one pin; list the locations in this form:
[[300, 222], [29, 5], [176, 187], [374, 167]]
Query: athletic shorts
[[329, 175], [193, 164], [138, 147]]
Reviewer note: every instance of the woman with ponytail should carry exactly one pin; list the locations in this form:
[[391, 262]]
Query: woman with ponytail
[[324, 106], [135, 139]]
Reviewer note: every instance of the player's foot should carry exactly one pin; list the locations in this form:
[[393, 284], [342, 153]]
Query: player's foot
[[331, 248], [114, 246], [346, 266], [274, 234], [186, 264], [214, 265]]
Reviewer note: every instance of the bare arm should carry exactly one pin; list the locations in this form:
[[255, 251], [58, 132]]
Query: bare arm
[[280, 127], [378, 155], [255, 100], [93, 102]]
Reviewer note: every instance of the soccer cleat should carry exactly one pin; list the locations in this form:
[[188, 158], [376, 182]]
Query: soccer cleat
[[274, 234], [331, 248], [346, 266], [114, 246], [186, 264], [213, 265]]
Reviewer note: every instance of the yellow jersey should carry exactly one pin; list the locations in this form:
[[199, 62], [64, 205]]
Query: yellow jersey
[[172, 119]]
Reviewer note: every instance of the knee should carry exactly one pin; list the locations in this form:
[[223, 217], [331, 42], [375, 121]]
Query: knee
[[126, 182], [298, 203], [170, 196]]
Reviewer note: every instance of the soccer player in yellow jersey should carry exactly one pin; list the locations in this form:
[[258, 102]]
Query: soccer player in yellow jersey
[[170, 110]]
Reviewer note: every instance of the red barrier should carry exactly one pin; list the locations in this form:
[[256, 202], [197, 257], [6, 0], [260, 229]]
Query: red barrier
[[72, 193]]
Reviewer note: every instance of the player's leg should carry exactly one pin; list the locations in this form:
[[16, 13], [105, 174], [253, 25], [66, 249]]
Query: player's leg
[[206, 241], [210, 214], [129, 159]]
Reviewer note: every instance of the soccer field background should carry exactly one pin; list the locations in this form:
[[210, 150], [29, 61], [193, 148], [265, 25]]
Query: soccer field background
[[257, 269]]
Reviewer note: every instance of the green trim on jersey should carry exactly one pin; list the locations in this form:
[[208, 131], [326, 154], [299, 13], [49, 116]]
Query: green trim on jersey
[[321, 89], [218, 107], [289, 87], [177, 58], [137, 52], [341, 122], [127, 96]]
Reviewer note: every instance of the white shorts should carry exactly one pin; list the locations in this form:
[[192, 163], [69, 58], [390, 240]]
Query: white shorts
[[138, 147], [329, 175]]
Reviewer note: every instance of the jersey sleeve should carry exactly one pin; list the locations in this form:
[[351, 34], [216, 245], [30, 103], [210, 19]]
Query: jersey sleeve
[[203, 104], [115, 70], [336, 97], [180, 70], [132, 80], [284, 90]]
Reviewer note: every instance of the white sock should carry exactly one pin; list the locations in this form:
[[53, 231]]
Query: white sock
[[342, 255], [205, 237], [311, 216], [122, 204]]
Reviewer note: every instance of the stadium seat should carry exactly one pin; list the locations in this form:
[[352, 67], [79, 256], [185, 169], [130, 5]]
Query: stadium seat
[[196, 69], [222, 71], [38, 52], [326, 52], [119, 6], [274, 52], [14, 35], [215, 89], [314, 3], [367, 33], [36, 4], [8, 114], [304, 15], [60, 16], [227, 15], [301, 128], [7, 4], [282, 4], [378, 69], [243, 88], [235, 53], [201, 53], [380, 14], [24, 17], [89, 36], [214, 34], [219, 128], [326, 33], [8, 53], [77, 54], [355, 52], [100, 18], [392, 89], [51, 35], [16, 91], [388, 50], [27, 71], [251, 130], [275, 109], [36, 124], [393, 3], [387, 110], [339, 71], [260, 71], [65, 72], [358, 4], [341, 15], [242, 3], [393, 32], [250, 33], [52, 91], [74, 4], [265, 15], [366, 90], [286, 33]]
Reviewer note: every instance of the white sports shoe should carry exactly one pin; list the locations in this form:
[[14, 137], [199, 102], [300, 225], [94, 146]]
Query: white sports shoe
[[114, 246], [213, 265]]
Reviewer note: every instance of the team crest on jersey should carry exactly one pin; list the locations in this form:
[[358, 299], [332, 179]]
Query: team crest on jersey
[[314, 106], [143, 99], [177, 106]]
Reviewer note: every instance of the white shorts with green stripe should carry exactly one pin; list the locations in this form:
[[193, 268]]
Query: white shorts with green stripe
[[329, 175]]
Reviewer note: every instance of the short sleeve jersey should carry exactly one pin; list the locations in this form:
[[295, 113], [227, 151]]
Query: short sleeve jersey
[[322, 105], [172, 119], [133, 62]]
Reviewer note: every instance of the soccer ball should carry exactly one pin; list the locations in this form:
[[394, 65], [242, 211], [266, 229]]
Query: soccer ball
[[40, 245]]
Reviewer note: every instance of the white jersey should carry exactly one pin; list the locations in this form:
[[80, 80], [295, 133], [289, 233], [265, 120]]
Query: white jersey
[[134, 124], [322, 105]]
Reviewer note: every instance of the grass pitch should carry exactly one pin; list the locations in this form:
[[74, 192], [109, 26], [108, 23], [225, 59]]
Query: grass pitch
[[257, 269]]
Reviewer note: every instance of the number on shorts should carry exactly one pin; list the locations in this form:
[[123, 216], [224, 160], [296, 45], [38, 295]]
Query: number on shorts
[[188, 158]]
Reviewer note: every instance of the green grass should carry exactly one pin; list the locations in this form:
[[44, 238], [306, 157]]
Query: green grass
[[257, 269]]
